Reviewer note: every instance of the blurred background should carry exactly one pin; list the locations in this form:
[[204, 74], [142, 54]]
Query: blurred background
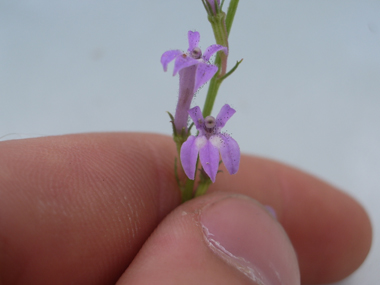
[[307, 92]]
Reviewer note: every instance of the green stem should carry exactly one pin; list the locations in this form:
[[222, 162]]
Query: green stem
[[202, 187], [221, 25], [231, 14], [219, 28], [211, 96], [220, 32], [187, 193]]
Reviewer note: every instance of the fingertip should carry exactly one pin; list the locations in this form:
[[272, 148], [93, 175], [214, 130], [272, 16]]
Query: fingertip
[[219, 239], [330, 230], [246, 235]]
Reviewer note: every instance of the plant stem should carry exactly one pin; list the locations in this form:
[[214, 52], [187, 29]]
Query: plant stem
[[202, 187], [218, 24], [231, 15], [221, 25], [211, 96], [187, 193]]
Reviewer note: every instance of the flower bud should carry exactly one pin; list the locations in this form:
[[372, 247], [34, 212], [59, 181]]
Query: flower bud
[[215, 4]]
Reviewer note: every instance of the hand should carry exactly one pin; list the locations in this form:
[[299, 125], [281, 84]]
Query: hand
[[102, 208]]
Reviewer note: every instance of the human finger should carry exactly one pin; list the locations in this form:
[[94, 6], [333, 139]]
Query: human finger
[[330, 231], [76, 209], [82, 205], [216, 239]]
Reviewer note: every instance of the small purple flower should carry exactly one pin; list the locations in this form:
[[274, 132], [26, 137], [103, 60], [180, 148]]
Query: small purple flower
[[194, 71], [209, 142]]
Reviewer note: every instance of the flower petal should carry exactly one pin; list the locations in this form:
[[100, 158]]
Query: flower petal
[[230, 151], [193, 38], [168, 57], [197, 117], [189, 154], [204, 73], [224, 115], [183, 61], [209, 157], [213, 49]]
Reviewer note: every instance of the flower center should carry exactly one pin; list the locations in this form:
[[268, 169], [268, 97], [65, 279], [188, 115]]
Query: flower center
[[196, 53], [209, 122]]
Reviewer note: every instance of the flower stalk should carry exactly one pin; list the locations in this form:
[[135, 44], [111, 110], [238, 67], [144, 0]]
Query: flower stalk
[[218, 24], [194, 69], [221, 25], [204, 184]]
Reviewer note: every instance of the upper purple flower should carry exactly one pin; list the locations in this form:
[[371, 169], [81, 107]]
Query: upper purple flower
[[193, 57], [209, 142]]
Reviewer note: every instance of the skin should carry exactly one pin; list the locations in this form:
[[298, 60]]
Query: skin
[[77, 209]]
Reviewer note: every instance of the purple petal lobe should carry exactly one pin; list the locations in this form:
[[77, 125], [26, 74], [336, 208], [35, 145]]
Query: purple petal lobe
[[189, 154], [197, 117], [204, 73], [168, 57], [230, 151], [193, 38], [224, 115], [183, 61], [213, 49], [209, 157]]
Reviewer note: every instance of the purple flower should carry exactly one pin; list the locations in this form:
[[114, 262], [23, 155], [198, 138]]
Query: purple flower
[[194, 71], [209, 142]]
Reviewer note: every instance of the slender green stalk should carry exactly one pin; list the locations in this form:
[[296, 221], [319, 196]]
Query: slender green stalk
[[220, 33], [202, 187], [221, 25], [187, 193], [211, 96], [219, 28], [231, 14]]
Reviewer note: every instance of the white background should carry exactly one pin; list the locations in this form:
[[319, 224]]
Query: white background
[[307, 92]]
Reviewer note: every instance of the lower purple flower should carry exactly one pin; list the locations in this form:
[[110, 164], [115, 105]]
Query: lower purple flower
[[209, 142]]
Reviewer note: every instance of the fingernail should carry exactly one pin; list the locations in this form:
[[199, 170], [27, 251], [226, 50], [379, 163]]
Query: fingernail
[[271, 211], [244, 235]]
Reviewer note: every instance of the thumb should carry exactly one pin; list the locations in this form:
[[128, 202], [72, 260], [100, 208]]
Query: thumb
[[219, 238]]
